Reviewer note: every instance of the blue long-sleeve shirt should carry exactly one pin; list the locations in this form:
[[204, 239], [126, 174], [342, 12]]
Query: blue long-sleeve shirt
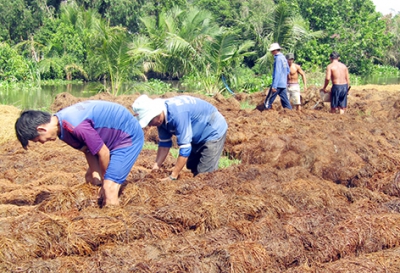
[[280, 72], [192, 120]]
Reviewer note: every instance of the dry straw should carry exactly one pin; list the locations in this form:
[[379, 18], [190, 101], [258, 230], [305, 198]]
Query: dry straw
[[9, 115]]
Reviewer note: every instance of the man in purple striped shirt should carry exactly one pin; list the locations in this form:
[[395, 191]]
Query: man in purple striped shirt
[[108, 134]]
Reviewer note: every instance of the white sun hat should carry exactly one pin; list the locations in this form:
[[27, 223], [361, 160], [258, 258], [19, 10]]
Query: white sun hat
[[146, 109], [274, 46]]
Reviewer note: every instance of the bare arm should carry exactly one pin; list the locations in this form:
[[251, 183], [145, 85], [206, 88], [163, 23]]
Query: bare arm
[[303, 76], [180, 163], [93, 174], [327, 78], [162, 153], [104, 159], [97, 165], [347, 77]]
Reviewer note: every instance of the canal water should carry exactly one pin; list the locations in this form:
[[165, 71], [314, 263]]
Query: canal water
[[26, 97]]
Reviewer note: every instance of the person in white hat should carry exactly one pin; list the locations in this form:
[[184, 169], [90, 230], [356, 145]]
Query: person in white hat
[[279, 79], [199, 127]]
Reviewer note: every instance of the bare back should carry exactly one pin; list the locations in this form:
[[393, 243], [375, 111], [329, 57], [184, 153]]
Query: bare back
[[338, 73]]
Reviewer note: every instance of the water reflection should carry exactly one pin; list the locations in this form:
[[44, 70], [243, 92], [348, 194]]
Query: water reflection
[[380, 80], [33, 97]]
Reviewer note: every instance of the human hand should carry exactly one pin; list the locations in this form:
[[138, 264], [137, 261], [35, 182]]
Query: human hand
[[169, 178], [93, 177], [323, 90], [155, 167], [273, 90]]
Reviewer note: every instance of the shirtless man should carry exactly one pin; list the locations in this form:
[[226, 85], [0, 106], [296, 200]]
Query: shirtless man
[[339, 74], [293, 82]]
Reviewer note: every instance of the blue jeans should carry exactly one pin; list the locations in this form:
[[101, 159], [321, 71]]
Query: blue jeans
[[204, 157], [272, 95]]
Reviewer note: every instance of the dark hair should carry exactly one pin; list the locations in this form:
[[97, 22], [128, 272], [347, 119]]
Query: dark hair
[[26, 125], [334, 55]]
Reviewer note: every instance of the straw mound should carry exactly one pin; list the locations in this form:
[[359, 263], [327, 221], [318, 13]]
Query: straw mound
[[8, 116], [315, 192]]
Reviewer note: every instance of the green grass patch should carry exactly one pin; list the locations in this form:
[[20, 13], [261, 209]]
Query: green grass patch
[[224, 162], [246, 105]]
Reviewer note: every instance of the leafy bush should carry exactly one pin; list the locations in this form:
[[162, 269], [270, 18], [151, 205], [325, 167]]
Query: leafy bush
[[13, 67], [153, 87], [385, 70]]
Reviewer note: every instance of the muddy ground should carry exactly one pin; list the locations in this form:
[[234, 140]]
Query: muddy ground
[[315, 192]]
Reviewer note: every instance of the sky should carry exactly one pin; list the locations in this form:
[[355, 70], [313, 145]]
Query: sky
[[387, 6]]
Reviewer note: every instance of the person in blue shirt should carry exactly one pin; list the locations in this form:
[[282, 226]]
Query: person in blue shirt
[[199, 128], [107, 133], [279, 79]]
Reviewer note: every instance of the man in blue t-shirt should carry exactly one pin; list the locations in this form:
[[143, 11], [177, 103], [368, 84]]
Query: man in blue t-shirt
[[199, 128], [108, 134], [279, 79]]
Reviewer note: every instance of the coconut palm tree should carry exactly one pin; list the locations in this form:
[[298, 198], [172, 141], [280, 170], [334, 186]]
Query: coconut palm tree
[[191, 43], [181, 36], [109, 57], [224, 53], [288, 29], [143, 57]]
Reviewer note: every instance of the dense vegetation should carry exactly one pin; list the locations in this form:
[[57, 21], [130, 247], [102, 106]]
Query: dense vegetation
[[194, 41]]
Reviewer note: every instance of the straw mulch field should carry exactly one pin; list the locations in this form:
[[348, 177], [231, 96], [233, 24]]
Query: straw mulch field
[[315, 192]]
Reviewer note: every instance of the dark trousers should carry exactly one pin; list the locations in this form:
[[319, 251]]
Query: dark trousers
[[204, 157], [272, 95]]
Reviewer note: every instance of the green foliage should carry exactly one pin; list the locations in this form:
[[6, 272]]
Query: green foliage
[[193, 83], [13, 67], [81, 45], [125, 13], [385, 70], [223, 54], [243, 79], [247, 105], [392, 56], [60, 47], [115, 41], [153, 87], [20, 18], [143, 57], [150, 146], [353, 29], [181, 36], [110, 59], [226, 161]]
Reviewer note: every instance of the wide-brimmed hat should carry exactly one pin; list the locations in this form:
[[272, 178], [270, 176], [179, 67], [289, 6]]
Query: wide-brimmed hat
[[146, 109], [274, 46]]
